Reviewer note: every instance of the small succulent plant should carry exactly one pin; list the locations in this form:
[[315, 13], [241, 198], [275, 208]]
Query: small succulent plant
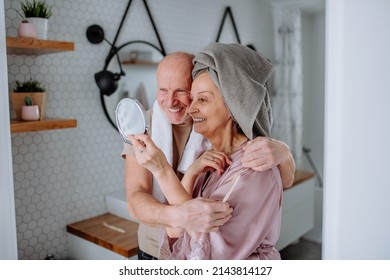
[[28, 101], [36, 8], [30, 85]]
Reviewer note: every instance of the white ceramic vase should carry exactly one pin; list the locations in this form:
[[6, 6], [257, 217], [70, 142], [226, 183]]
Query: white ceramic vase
[[30, 113], [41, 26]]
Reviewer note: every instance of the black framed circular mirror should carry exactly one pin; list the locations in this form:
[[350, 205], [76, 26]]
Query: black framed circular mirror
[[139, 61]]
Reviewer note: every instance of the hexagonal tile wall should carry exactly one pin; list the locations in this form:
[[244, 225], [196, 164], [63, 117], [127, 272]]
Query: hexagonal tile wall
[[61, 176]]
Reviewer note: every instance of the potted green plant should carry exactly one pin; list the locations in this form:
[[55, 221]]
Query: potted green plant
[[30, 112], [34, 90], [37, 12], [31, 85]]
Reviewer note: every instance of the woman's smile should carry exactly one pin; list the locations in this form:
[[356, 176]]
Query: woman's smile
[[198, 120]]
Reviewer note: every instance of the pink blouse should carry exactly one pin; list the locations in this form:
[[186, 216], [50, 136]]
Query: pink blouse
[[254, 228]]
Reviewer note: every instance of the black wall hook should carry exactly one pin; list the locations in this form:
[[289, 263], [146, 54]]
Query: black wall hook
[[227, 12]]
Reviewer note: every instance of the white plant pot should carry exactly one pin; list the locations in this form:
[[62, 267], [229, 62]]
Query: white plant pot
[[30, 113], [41, 26]]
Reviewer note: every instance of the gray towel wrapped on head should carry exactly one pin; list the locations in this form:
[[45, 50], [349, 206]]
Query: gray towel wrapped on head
[[240, 73]]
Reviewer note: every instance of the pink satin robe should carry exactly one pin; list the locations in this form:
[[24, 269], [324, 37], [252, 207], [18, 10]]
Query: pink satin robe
[[254, 228]]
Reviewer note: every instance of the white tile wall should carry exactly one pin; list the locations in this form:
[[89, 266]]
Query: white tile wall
[[61, 176]]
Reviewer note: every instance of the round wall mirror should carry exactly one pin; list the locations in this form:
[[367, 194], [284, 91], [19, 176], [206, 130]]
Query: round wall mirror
[[139, 62]]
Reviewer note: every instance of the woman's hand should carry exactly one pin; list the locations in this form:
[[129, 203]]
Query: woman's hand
[[147, 153], [209, 161]]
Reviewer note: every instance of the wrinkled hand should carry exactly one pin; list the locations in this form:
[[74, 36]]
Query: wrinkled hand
[[209, 161], [147, 153], [203, 215], [263, 153]]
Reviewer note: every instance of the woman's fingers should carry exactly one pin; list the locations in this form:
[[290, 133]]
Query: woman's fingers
[[218, 160], [138, 145]]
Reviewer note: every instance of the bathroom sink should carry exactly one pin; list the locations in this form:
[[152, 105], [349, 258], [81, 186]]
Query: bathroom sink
[[117, 205]]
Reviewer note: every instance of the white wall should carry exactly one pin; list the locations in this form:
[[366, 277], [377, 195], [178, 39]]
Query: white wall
[[8, 248], [313, 58], [357, 133]]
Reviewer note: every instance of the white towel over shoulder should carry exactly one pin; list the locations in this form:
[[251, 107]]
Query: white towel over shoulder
[[163, 138]]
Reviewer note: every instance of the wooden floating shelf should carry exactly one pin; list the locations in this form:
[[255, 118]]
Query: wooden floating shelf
[[30, 46], [18, 126]]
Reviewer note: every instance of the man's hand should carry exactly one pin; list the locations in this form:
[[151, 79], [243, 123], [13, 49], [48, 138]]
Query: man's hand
[[262, 153], [203, 215]]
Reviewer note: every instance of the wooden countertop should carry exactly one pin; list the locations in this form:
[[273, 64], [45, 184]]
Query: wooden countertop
[[301, 176], [109, 231]]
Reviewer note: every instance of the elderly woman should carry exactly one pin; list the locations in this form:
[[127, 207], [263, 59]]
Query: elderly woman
[[230, 106]]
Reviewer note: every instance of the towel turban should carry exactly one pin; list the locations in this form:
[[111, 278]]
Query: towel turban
[[240, 74]]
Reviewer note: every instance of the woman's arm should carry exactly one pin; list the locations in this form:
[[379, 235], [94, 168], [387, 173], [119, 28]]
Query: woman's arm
[[176, 192], [152, 158]]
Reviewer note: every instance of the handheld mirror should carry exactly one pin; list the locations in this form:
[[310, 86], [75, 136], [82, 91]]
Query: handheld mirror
[[131, 118]]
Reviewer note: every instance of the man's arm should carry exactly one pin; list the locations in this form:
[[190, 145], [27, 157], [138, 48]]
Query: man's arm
[[287, 171], [204, 215], [263, 153], [141, 203]]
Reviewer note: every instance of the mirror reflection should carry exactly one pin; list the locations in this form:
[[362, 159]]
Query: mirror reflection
[[139, 62]]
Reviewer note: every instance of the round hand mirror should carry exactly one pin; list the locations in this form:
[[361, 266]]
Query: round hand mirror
[[131, 118], [139, 61]]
